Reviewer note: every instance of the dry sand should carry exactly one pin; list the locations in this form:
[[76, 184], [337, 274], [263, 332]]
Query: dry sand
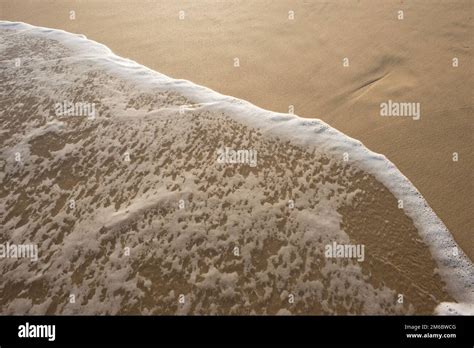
[[299, 62]]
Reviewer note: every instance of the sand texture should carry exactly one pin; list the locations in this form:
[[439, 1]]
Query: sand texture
[[157, 218]]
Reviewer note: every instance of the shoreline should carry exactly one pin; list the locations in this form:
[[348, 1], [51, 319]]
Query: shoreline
[[400, 60], [285, 125]]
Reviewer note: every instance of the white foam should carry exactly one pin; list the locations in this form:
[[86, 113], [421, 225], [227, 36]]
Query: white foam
[[450, 308], [457, 271]]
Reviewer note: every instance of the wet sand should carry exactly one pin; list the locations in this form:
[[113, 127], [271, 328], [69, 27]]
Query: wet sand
[[181, 212], [300, 62]]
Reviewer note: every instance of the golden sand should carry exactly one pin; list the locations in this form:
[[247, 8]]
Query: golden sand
[[299, 62]]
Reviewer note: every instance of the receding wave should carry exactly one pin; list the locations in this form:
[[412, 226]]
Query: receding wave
[[150, 195]]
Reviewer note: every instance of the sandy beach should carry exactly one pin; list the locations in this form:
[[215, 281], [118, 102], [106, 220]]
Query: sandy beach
[[285, 63], [187, 185]]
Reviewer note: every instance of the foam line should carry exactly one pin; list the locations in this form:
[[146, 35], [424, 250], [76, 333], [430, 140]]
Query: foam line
[[457, 271]]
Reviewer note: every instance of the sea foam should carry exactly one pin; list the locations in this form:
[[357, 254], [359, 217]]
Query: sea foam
[[457, 270]]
